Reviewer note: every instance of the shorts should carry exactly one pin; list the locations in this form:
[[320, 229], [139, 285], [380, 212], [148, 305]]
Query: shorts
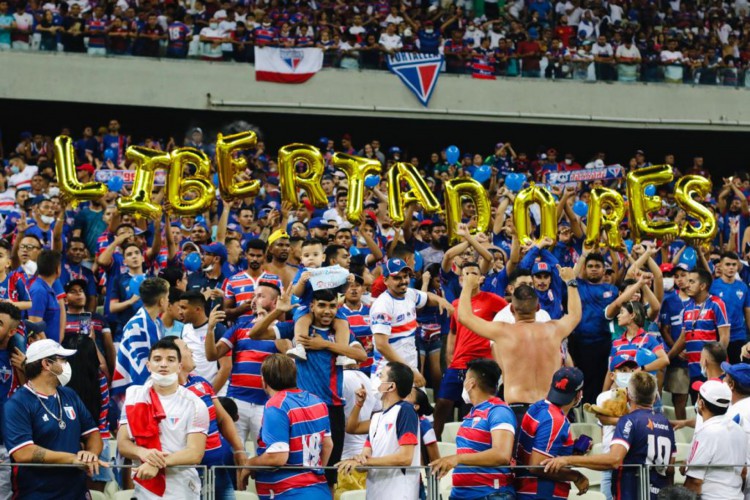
[[677, 380], [452, 385], [428, 342], [105, 475]]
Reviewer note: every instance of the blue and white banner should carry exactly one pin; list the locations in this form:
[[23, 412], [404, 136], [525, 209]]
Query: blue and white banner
[[324, 278], [128, 176], [419, 72], [610, 172]]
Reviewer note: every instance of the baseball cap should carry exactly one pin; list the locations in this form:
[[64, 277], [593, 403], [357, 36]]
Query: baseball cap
[[566, 382], [318, 222], [275, 236], [683, 266], [80, 282], [87, 167], [640, 152], [713, 391], [740, 373], [667, 268], [395, 266], [46, 348], [426, 223], [34, 327], [620, 360], [274, 181], [216, 248], [35, 200], [541, 267]]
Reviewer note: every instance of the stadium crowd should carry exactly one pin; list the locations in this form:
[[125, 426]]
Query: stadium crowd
[[705, 42], [265, 335]]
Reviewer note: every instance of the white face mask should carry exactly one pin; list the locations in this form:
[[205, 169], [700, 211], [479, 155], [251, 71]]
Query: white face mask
[[213, 26], [47, 219], [429, 30], [208, 269], [465, 396], [29, 267], [622, 379], [668, 284], [568, 161], [64, 376], [53, 191], [164, 380]]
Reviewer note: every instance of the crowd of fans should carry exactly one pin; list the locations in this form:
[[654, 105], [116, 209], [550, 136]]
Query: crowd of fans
[[188, 337], [703, 42]]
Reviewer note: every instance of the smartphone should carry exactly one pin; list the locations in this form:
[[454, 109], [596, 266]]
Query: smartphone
[[582, 445], [84, 325]]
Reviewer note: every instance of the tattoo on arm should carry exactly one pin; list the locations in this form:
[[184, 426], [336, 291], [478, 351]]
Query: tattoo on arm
[[38, 456]]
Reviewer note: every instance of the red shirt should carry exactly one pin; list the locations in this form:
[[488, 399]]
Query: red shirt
[[469, 345]]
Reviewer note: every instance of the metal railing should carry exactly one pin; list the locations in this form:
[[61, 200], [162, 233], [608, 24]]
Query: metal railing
[[430, 481]]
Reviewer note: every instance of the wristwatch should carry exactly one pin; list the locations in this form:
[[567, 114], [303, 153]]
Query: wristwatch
[[573, 283]]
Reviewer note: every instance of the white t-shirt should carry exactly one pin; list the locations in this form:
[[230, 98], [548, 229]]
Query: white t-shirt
[[195, 339], [227, 27], [615, 13], [390, 42], [608, 431], [719, 441], [208, 50], [628, 53], [740, 413], [397, 318], [22, 180], [602, 50], [185, 414], [353, 380]]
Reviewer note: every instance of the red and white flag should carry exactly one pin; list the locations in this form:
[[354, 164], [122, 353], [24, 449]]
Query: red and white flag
[[291, 65]]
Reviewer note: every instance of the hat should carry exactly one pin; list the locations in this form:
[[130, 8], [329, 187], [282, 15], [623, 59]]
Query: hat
[[87, 167], [274, 181], [277, 235], [715, 392], [640, 152], [426, 223], [395, 266], [318, 223], [46, 348], [566, 382], [620, 360], [34, 327], [216, 249], [541, 267], [137, 231], [35, 200], [80, 282], [667, 268], [683, 266], [371, 204], [740, 373]]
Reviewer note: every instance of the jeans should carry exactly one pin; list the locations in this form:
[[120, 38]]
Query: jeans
[[224, 489], [606, 486]]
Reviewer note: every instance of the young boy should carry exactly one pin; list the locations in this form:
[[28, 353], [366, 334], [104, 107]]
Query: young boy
[[81, 322], [126, 298]]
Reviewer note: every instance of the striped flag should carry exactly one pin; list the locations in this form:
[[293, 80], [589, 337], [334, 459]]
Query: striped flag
[[139, 334], [282, 65], [483, 71]]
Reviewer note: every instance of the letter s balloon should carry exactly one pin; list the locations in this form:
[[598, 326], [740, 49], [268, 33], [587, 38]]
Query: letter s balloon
[[642, 205], [356, 169], [199, 184], [229, 167], [65, 169], [686, 188], [455, 190], [289, 179]]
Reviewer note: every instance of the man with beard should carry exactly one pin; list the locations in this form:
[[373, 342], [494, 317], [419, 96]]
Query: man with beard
[[240, 288], [435, 252], [277, 256], [591, 342], [73, 270], [547, 282], [209, 280], [200, 234]]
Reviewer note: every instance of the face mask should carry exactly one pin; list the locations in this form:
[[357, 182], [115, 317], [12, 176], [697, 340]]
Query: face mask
[[262, 192], [622, 379], [382, 394], [53, 191], [64, 376], [29, 268], [429, 31], [47, 219], [14, 169], [471, 28], [266, 25], [213, 26], [208, 269], [465, 396], [568, 161], [668, 283], [164, 380], [361, 240]]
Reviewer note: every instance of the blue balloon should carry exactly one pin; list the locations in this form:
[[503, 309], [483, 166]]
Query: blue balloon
[[452, 154], [135, 284], [515, 181], [689, 258], [629, 245], [193, 262], [644, 357], [353, 251], [581, 208], [482, 173], [114, 184], [650, 190], [372, 181], [418, 262], [110, 154]]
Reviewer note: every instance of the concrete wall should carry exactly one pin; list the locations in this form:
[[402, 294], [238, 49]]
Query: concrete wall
[[225, 86]]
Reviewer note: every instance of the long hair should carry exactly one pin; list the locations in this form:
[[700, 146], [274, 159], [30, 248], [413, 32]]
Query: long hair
[[84, 366]]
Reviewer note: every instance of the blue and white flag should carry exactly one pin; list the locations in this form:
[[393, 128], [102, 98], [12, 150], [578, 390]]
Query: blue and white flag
[[419, 72], [139, 334]]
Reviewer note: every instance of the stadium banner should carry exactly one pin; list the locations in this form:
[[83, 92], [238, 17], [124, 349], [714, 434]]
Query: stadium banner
[[419, 72], [586, 175], [127, 176], [282, 65]]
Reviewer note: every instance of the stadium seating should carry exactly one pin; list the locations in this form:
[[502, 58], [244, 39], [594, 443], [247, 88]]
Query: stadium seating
[[124, 495], [449, 432], [246, 495], [446, 449], [591, 430], [354, 495]]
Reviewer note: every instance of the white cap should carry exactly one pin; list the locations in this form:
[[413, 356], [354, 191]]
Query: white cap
[[46, 348], [715, 392]]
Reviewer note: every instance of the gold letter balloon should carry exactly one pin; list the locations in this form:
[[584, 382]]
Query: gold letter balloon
[[309, 180], [521, 216], [147, 161], [641, 205], [356, 169], [65, 168], [606, 211], [456, 190], [686, 188], [230, 167], [420, 192], [198, 184]]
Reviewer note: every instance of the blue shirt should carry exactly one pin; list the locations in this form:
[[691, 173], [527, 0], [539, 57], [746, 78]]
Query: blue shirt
[[736, 297], [44, 305], [551, 299], [6, 383], [70, 272], [26, 422], [595, 298], [123, 292], [496, 283], [320, 375], [648, 438]]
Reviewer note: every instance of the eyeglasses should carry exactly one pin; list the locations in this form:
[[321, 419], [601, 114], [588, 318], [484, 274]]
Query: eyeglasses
[[29, 247]]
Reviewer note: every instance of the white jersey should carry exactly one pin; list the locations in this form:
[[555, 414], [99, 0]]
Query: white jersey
[[195, 339], [22, 180], [740, 413], [719, 441], [389, 430], [397, 318], [185, 414], [353, 380]]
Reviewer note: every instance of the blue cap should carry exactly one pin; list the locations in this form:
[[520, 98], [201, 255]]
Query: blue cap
[[318, 223], [621, 359], [216, 249], [395, 266], [394, 150], [541, 267], [740, 373], [566, 382], [274, 181], [36, 200]]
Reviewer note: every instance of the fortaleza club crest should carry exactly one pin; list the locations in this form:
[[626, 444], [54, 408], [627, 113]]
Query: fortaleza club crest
[[419, 72], [292, 57]]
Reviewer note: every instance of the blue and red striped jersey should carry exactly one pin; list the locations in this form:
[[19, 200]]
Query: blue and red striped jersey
[[475, 436], [241, 287], [320, 375], [546, 430], [359, 324], [104, 410], [203, 389], [178, 33], [296, 422], [265, 36], [642, 340], [700, 324]]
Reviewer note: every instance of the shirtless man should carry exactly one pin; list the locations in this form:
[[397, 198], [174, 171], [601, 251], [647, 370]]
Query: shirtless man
[[278, 254], [528, 351]]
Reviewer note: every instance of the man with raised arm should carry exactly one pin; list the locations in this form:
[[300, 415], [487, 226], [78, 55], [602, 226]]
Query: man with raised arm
[[528, 351]]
